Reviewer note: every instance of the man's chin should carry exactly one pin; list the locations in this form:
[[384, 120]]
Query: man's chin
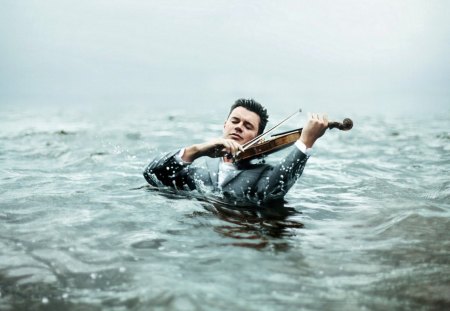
[[236, 139]]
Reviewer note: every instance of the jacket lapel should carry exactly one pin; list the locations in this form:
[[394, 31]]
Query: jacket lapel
[[231, 175], [213, 169]]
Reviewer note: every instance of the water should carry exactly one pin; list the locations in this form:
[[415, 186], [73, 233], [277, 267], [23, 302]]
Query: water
[[365, 228]]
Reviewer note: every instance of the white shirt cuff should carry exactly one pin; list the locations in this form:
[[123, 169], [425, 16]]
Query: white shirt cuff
[[178, 158], [302, 147]]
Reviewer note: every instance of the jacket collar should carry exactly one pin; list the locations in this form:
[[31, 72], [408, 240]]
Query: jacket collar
[[213, 168]]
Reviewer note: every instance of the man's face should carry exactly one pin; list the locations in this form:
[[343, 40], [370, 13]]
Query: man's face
[[241, 125]]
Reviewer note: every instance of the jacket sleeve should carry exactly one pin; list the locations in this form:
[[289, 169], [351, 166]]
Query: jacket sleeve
[[167, 171], [275, 181]]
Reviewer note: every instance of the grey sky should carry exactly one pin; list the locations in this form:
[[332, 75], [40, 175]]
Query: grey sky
[[321, 55]]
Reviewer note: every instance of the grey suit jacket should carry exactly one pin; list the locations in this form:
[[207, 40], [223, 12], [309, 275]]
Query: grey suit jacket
[[255, 182]]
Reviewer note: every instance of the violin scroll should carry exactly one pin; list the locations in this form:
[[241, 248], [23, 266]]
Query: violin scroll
[[346, 125]]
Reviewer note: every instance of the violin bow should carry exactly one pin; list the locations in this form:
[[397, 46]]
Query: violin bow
[[259, 137]]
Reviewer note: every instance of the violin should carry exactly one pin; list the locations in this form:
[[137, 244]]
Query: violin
[[259, 147]]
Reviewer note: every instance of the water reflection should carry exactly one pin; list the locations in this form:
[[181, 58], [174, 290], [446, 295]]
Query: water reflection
[[259, 227], [256, 227]]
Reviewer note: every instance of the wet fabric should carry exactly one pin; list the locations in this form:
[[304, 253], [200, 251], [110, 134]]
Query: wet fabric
[[254, 182]]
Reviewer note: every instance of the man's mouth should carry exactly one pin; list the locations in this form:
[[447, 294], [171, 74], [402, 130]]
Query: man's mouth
[[236, 136]]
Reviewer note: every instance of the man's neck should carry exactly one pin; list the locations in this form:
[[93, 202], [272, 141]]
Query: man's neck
[[226, 160]]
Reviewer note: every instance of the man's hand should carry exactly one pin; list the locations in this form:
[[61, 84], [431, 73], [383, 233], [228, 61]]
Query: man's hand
[[215, 148], [314, 128]]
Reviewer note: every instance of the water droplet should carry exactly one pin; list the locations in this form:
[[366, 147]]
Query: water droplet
[[93, 276], [122, 269], [45, 300]]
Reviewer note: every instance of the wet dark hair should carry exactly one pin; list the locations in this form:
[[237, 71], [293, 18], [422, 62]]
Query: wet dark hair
[[253, 106]]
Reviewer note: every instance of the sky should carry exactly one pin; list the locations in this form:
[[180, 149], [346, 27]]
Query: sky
[[384, 56]]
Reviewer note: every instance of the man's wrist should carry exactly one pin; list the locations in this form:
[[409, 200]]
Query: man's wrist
[[191, 153], [302, 147], [179, 157]]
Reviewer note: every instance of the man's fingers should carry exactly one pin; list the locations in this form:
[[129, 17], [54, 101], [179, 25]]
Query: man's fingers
[[229, 146], [318, 116], [223, 146], [312, 115], [237, 147], [226, 148]]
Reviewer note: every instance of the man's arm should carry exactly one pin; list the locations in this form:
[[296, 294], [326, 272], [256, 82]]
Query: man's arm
[[173, 169], [275, 182], [215, 148], [314, 129], [167, 171]]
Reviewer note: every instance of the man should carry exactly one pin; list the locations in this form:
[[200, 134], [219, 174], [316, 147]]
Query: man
[[206, 167]]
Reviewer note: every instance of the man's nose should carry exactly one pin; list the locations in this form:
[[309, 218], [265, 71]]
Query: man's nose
[[238, 127]]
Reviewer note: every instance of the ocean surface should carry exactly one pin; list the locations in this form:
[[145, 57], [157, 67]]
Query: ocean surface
[[366, 227]]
